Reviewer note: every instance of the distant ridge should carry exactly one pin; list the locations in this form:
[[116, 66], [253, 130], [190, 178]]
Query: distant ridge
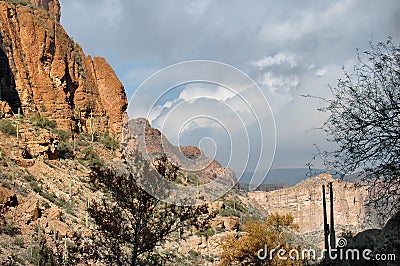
[[285, 176]]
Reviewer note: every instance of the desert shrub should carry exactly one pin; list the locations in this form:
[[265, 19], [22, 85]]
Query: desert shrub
[[2, 154], [83, 139], [10, 228], [206, 231], [193, 253], [92, 157], [19, 2], [84, 136], [7, 127], [19, 241], [108, 141], [65, 150], [51, 197], [43, 122], [229, 212], [35, 186], [272, 233], [62, 134], [234, 204], [29, 177], [42, 254]]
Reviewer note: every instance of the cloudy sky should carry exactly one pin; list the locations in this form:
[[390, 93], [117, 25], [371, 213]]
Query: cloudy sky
[[289, 48]]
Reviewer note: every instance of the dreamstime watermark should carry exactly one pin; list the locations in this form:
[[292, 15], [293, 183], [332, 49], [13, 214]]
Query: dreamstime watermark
[[340, 253], [201, 95]]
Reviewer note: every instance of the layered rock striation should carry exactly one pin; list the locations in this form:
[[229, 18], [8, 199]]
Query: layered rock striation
[[44, 71], [304, 202]]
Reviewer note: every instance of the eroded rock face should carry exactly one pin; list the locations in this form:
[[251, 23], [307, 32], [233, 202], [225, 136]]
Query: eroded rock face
[[53, 6], [46, 72], [304, 202], [191, 152], [230, 223], [5, 109]]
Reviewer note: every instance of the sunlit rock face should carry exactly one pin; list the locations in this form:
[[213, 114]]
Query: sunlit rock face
[[304, 202], [46, 72]]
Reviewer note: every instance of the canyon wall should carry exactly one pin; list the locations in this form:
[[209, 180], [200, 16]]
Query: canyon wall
[[304, 202], [44, 71]]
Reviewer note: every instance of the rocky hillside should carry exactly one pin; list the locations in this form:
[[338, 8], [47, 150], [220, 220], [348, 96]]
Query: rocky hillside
[[51, 96], [191, 160], [44, 71], [60, 114], [43, 206]]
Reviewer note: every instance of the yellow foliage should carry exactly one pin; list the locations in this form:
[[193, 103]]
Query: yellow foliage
[[258, 235]]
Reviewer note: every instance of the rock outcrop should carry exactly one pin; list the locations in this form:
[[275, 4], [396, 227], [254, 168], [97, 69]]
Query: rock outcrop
[[230, 223], [44, 71], [8, 198], [191, 160], [53, 6], [384, 243], [304, 202]]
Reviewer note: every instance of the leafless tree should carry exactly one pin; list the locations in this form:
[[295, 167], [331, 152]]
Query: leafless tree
[[132, 219], [364, 120]]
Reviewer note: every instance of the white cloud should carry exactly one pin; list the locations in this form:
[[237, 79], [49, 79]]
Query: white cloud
[[280, 84], [278, 59], [321, 72], [206, 91], [293, 41]]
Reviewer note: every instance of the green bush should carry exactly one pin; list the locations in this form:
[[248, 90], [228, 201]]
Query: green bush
[[193, 253], [84, 136], [10, 228], [19, 241], [206, 231], [2, 154], [43, 122], [229, 212], [62, 134], [92, 157], [65, 150], [35, 186], [108, 141], [42, 254], [234, 204], [18, 2], [7, 127]]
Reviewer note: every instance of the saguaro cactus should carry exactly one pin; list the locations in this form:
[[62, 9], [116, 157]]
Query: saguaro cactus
[[326, 225], [332, 227], [65, 251], [18, 117], [87, 213], [91, 125], [13, 174], [55, 233]]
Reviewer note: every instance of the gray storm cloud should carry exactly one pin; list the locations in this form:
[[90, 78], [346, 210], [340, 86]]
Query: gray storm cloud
[[289, 48]]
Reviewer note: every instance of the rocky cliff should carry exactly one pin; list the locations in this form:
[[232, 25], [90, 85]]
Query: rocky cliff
[[52, 6], [44, 71], [304, 202]]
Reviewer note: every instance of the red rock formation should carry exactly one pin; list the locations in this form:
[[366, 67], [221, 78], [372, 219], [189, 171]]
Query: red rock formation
[[152, 142], [53, 6], [46, 72], [191, 152]]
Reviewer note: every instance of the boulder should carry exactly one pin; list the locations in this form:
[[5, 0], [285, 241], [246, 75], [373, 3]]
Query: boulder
[[8, 198]]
